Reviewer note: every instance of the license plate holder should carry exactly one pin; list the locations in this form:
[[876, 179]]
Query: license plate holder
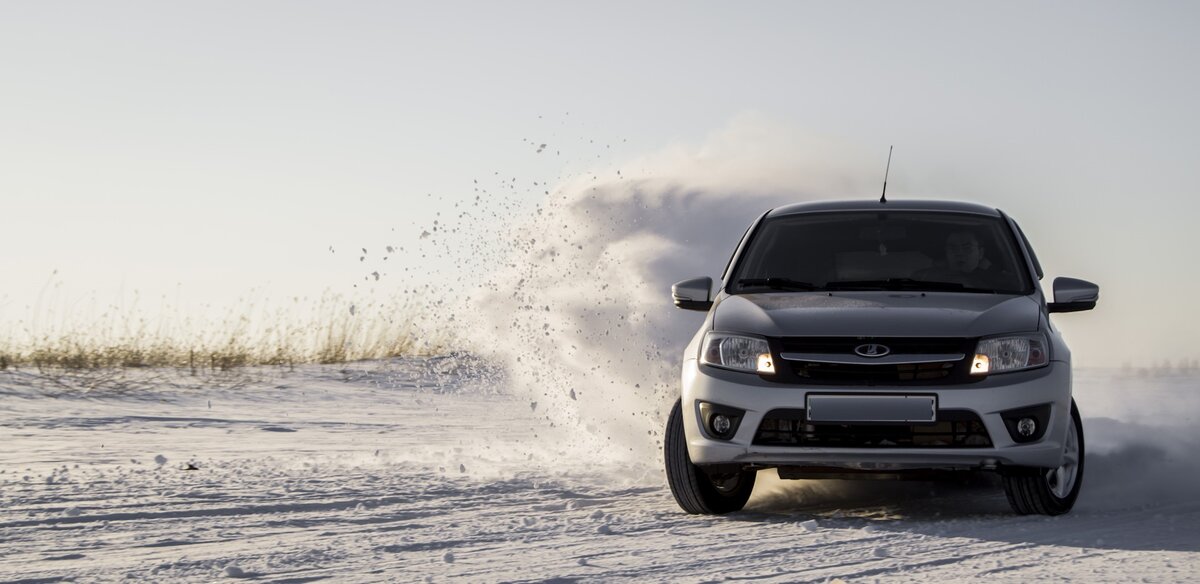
[[843, 408]]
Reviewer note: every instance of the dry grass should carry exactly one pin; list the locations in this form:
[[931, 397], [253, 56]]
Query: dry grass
[[330, 329]]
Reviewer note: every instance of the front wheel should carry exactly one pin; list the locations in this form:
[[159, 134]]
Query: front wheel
[[695, 490], [1050, 491]]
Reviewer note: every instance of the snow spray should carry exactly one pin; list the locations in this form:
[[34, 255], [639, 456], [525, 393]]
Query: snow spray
[[579, 312]]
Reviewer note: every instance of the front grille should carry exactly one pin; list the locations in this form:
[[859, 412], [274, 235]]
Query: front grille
[[898, 345], [817, 372], [953, 429], [835, 373]]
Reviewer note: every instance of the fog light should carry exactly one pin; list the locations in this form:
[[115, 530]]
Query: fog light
[[1026, 427], [1027, 424], [721, 424]]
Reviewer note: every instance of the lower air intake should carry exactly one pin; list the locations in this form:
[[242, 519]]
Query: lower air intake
[[953, 429]]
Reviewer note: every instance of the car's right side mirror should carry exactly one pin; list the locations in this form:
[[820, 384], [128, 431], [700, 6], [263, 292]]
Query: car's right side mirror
[[1073, 295], [693, 294]]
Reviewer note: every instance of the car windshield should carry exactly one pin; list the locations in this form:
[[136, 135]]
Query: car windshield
[[891, 250]]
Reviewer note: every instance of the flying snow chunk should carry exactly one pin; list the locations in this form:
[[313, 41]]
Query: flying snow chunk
[[232, 571], [160, 460], [448, 557], [810, 525]]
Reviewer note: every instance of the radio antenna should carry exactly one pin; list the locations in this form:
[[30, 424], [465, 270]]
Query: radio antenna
[[883, 197]]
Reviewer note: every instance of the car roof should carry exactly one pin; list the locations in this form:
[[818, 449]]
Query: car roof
[[893, 205]]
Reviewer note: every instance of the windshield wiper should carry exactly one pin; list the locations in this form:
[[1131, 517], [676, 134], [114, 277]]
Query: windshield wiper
[[777, 283], [905, 284]]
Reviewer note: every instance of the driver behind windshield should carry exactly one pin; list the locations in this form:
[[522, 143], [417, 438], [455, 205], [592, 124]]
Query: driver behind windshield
[[862, 251], [965, 262], [964, 253]]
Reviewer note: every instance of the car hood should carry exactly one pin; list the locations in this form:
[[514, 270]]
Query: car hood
[[876, 314]]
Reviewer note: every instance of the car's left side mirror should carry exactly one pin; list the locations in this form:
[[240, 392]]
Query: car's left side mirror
[[1072, 295], [693, 294]]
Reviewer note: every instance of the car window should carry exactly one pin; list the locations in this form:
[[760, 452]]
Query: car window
[[871, 250]]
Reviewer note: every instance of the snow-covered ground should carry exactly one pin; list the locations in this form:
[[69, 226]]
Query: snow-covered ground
[[429, 469]]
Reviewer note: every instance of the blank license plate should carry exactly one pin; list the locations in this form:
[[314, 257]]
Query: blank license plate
[[872, 408]]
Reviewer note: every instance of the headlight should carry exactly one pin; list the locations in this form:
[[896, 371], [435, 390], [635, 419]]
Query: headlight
[[1005, 354], [737, 352]]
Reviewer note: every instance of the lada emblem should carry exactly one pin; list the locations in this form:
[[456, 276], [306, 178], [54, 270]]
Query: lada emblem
[[872, 350]]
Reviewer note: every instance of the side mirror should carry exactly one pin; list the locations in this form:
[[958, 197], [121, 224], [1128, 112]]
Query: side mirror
[[693, 294], [1072, 295]]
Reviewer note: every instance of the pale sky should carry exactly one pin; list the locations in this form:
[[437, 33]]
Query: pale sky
[[212, 147]]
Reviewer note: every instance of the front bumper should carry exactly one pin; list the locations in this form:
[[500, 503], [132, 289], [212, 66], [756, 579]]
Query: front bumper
[[987, 399]]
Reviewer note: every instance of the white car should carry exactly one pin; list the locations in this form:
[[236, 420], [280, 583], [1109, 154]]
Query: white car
[[863, 338]]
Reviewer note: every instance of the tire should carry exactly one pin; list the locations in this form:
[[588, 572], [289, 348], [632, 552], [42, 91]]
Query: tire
[[694, 490], [1050, 491]]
